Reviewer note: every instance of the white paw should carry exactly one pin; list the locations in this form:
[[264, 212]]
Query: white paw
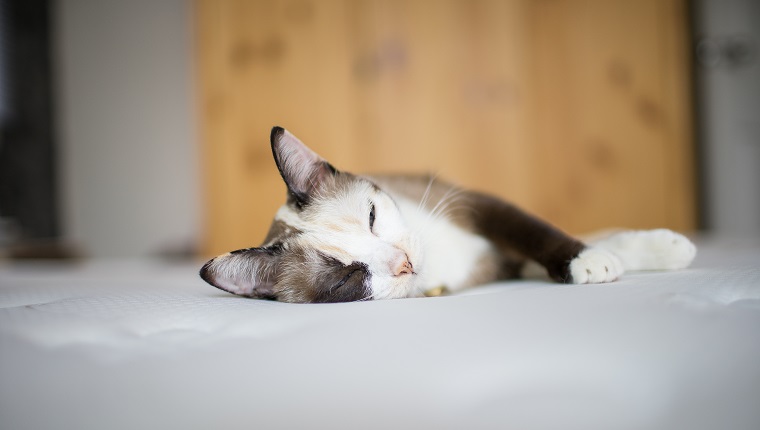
[[594, 266], [659, 249]]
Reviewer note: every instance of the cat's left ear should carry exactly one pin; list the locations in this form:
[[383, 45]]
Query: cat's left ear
[[248, 272], [302, 169]]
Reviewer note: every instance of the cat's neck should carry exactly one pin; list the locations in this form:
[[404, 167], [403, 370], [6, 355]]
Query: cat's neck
[[454, 257]]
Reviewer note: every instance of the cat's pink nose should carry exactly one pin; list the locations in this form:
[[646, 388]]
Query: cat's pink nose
[[404, 267]]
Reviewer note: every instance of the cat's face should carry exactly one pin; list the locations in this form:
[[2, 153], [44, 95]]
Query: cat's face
[[338, 238]]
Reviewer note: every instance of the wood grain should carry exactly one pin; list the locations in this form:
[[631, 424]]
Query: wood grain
[[575, 109]]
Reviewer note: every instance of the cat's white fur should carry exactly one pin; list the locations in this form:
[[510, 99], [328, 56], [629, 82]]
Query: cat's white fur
[[403, 247], [595, 265], [632, 250], [444, 254], [452, 254], [659, 249]]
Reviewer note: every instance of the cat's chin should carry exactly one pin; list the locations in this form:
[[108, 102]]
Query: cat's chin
[[395, 288]]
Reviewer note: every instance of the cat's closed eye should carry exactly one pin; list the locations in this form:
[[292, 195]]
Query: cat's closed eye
[[345, 279], [341, 283], [372, 217]]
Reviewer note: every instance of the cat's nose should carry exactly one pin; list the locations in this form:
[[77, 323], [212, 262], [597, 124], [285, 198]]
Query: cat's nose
[[403, 267]]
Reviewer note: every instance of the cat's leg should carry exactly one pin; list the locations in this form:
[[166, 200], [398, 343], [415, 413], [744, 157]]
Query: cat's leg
[[660, 249], [565, 258]]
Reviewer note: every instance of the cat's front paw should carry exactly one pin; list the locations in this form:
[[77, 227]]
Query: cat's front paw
[[595, 266]]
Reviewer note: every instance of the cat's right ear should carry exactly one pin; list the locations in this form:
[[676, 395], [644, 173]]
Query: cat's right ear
[[248, 272], [301, 168]]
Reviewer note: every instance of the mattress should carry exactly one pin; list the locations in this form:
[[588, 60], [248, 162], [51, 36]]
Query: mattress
[[145, 344]]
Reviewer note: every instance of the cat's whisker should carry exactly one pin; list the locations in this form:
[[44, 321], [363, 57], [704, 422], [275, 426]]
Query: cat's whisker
[[448, 212], [448, 199], [442, 201], [426, 195], [443, 207], [431, 217], [453, 212]]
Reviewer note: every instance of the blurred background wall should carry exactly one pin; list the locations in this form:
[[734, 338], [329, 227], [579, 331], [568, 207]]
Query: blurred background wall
[[728, 72], [129, 175], [591, 113]]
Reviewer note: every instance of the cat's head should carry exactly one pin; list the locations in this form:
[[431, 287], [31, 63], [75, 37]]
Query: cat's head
[[338, 238]]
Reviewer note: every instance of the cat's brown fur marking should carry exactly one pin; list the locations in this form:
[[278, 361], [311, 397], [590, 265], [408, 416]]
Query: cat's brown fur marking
[[512, 229], [328, 281]]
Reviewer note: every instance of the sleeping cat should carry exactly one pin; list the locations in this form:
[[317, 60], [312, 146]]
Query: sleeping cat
[[342, 237]]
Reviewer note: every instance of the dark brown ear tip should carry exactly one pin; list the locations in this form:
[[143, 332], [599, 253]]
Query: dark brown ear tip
[[205, 272], [276, 133]]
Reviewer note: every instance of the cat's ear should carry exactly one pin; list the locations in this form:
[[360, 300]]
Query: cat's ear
[[302, 169], [248, 272]]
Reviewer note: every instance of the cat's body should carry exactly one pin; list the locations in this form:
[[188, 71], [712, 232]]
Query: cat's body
[[343, 237]]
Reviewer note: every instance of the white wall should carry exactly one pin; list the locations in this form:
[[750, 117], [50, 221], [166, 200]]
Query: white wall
[[125, 114], [730, 94]]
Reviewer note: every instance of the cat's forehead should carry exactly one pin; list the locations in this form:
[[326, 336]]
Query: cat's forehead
[[345, 201], [349, 197]]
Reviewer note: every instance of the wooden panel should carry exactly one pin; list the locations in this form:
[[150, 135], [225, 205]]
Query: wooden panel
[[265, 63], [444, 91], [575, 109], [610, 120]]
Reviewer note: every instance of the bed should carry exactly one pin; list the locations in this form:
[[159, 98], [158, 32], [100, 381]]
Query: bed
[[145, 344]]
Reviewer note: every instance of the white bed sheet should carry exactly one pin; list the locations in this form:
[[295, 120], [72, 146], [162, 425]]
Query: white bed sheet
[[125, 345]]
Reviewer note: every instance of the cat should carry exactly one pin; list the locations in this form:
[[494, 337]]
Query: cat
[[342, 237]]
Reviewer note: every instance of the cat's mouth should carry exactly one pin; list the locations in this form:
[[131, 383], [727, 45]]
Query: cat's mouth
[[405, 268]]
